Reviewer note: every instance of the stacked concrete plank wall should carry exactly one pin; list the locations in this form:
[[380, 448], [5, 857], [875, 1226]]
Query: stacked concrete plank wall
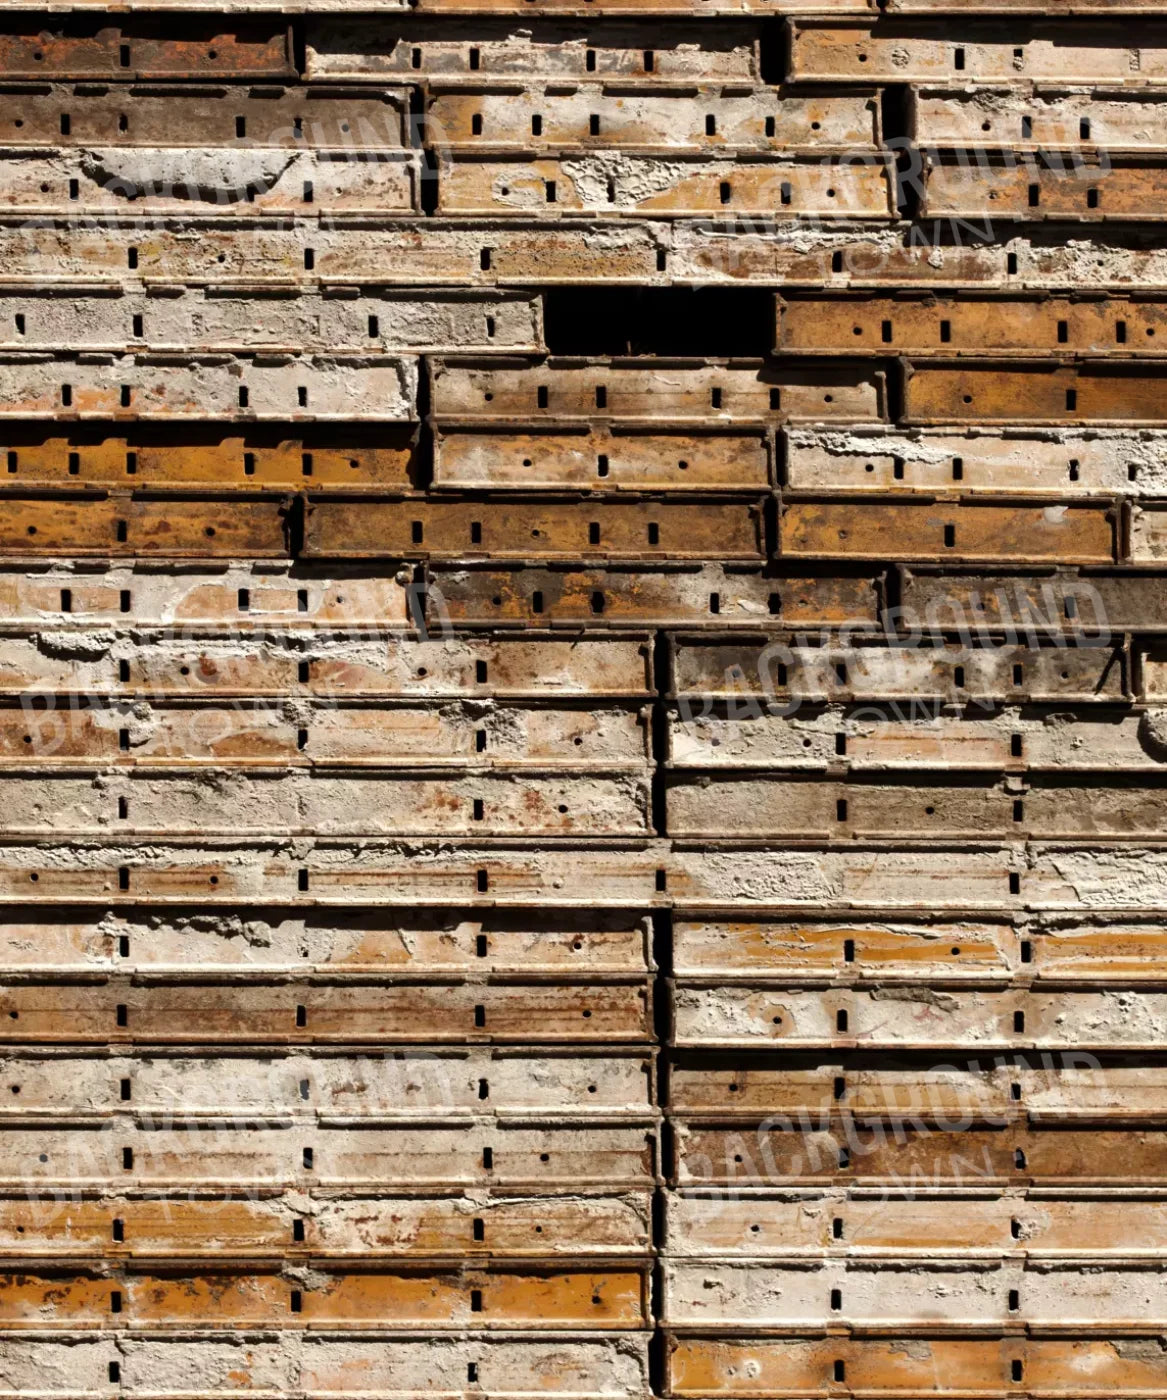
[[583, 699]]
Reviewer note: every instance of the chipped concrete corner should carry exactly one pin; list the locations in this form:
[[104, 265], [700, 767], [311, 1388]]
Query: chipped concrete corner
[[583, 699]]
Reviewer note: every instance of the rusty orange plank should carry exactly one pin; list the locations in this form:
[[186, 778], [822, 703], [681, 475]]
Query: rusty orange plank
[[1119, 190], [706, 597], [406, 1012], [170, 529], [889, 325], [1035, 392], [423, 528], [984, 1367], [64, 116], [203, 458], [1074, 534], [145, 49]]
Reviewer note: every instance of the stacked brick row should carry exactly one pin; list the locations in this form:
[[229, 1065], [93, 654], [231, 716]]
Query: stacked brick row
[[581, 681]]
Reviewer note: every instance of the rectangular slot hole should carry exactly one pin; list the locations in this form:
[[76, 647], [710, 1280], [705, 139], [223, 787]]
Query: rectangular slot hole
[[1026, 128], [1063, 332], [1019, 1020]]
